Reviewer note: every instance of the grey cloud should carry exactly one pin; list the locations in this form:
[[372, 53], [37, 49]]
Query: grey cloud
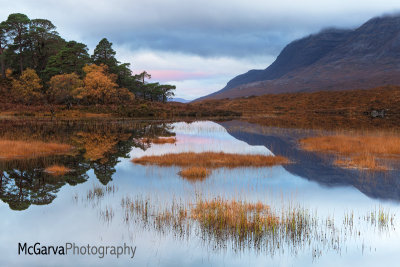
[[207, 28], [205, 44]]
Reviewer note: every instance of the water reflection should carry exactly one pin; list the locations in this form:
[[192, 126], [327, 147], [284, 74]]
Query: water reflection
[[99, 146], [313, 166], [86, 205]]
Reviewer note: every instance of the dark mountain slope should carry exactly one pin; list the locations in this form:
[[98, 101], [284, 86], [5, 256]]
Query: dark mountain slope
[[366, 57]]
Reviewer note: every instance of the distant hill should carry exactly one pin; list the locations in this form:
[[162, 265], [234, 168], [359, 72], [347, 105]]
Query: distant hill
[[346, 109], [177, 99], [333, 59]]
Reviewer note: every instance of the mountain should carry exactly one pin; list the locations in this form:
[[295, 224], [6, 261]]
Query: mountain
[[333, 59], [177, 99]]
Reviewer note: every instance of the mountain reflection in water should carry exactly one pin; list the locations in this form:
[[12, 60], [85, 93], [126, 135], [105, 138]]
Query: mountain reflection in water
[[314, 166]]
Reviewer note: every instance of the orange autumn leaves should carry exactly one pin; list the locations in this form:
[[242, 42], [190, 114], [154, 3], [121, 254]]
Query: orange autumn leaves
[[101, 87], [28, 87], [98, 86]]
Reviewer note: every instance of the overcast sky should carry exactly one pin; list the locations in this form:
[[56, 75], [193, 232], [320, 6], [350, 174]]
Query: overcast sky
[[198, 45]]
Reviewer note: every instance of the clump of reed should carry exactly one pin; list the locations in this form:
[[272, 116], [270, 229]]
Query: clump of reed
[[212, 160], [107, 214], [356, 151], [223, 221], [194, 172], [111, 189], [234, 217], [220, 222], [98, 191], [57, 170], [135, 207], [142, 211], [13, 149], [381, 218]]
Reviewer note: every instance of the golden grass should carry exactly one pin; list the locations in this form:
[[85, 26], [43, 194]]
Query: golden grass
[[323, 109], [10, 149], [168, 140], [194, 172], [57, 170], [211, 160], [384, 145], [234, 215], [360, 151]]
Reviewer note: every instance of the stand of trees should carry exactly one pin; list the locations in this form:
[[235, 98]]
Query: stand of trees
[[37, 66]]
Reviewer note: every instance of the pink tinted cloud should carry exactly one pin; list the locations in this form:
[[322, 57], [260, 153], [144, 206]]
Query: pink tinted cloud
[[175, 75]]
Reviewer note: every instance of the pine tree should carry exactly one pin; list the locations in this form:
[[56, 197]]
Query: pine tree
[[105, 54]]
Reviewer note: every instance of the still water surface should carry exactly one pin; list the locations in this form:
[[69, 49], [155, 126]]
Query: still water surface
[[38, 208]]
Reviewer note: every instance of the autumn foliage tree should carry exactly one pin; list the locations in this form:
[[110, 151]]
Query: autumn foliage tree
[[27, 88], [62, 87], [100, 87]]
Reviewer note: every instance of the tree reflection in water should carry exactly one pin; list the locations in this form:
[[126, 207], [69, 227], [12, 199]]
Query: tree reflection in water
[[99, 145]]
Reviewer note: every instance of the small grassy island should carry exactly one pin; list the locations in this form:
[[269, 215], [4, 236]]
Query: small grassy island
[[199, 165]]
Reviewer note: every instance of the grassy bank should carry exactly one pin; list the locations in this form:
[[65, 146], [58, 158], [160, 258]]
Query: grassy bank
[[136, 109], [356, 151], [379, 107]]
